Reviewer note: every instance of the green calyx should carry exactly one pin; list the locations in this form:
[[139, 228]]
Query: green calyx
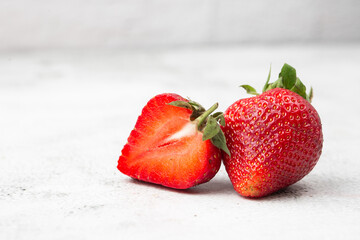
[[287, 80], [207, 123]]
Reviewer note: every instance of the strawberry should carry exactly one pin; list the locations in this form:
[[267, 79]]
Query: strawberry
[[275, 138], [175, 143]]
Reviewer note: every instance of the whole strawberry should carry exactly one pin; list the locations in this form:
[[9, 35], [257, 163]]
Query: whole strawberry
[[175, 143], [274, 138]]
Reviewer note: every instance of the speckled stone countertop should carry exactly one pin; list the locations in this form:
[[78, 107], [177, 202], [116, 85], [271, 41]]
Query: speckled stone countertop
[[65, 116]]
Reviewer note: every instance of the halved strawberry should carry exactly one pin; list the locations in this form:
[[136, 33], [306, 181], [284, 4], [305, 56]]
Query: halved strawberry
[[172, 143]]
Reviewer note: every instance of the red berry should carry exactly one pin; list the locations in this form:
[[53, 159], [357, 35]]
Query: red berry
[[275, 139], [166, 147]]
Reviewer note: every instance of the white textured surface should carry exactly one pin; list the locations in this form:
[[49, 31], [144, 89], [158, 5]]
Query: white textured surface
[[28, 24], [66, 115]]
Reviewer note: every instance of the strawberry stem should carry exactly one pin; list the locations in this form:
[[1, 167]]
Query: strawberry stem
[[206, 123], [201, 119]]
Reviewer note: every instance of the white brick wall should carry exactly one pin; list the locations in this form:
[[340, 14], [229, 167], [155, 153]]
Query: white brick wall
[[147, 23]]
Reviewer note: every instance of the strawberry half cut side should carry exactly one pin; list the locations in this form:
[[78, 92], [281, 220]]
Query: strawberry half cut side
[[172, 143]]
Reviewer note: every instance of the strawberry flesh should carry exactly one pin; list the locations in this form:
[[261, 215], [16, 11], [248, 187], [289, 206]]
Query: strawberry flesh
[[166, 148]]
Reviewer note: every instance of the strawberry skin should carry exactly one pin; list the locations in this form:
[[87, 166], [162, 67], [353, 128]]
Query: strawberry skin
[[275, 139], [166, 148]]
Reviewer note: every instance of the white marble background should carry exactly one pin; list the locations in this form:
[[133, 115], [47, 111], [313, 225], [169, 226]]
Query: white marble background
[[65, 116], [75, 74]]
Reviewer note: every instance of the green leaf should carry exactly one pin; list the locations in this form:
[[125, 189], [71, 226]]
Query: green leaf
[[278, 83], [222, 120], [267, 81], [288, 80], [299, 88], [215, 115], [211, 129], [219, 116], [249, 89], [219, 141], [181, 104], [196, 105], [288, 74], [311, 95]]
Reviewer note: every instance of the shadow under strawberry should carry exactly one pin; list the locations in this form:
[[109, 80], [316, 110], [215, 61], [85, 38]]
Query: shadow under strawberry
[[292, 192], [214, 187], [317, 185]]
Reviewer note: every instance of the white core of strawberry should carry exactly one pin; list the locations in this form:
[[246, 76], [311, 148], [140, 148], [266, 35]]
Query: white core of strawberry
[[189, 129]]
